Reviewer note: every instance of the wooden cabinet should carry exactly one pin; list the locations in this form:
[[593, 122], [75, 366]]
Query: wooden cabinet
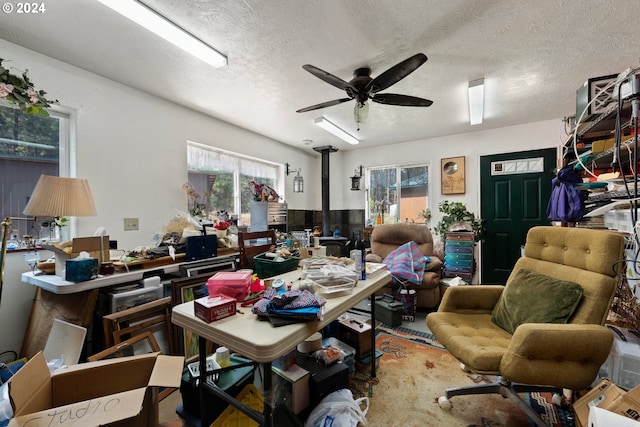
[[269, 215]]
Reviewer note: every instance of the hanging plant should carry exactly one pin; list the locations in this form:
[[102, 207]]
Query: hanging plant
[[21, 92], [456, 212]]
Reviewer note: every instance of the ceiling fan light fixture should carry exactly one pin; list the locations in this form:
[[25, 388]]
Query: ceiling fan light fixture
[[360, 113], [161, 26], [476, 101], [331, 128]]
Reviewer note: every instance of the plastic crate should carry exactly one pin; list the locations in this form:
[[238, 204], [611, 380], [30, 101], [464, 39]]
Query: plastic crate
[[232, 417], [267, 267]]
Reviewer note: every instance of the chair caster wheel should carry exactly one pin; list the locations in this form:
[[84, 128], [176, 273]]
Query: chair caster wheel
[[464, 368], [444, 403]]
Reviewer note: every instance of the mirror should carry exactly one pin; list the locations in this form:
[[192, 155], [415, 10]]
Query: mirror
[[450, 168]]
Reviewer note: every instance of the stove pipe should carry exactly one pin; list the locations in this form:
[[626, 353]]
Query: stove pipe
[[325, 151]]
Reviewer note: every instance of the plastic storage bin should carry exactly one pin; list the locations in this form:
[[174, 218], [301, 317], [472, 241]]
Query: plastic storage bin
[[267, 267]]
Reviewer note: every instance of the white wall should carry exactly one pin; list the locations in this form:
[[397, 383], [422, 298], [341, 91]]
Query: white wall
[[471, 145], [131, 148]]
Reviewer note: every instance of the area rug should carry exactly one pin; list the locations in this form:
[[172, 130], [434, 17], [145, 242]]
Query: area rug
[[414, 370]]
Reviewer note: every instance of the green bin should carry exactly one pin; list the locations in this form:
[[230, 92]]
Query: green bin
[[267, 267]]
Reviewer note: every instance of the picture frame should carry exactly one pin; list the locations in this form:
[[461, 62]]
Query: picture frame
[[153, 317], [183, 290], [452, 175]]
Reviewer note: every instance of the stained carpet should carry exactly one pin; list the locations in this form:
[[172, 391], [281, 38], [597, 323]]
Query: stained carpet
[[414, 370]]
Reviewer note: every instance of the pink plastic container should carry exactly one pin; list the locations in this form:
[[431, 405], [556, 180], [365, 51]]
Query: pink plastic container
[[231, 283]]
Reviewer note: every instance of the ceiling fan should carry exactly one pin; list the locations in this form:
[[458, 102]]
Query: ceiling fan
[[363, 87]]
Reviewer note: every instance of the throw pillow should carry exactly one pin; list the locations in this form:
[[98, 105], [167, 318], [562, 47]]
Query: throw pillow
[[535, 298]]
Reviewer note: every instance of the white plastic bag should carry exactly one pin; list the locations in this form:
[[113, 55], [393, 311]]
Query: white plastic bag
[[339, 409]]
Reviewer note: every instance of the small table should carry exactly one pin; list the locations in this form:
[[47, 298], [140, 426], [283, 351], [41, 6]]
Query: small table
[[262, 343]]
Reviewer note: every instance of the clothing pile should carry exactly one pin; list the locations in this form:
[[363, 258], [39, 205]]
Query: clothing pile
[[281, 306]]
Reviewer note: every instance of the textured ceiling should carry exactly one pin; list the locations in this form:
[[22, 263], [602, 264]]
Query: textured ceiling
[[533, 56]]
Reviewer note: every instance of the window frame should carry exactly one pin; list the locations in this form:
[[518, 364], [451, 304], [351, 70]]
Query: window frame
[[66, 160], [237, 172], [369, 217]]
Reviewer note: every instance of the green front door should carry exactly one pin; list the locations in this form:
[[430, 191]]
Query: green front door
[[514, 193]]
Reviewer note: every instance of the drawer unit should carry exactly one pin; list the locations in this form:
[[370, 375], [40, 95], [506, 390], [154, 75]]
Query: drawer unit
[[268, 215], [458, 257]]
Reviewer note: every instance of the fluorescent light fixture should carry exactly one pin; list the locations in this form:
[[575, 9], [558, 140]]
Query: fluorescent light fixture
[[476, 101], [159, 25], [330, 127]]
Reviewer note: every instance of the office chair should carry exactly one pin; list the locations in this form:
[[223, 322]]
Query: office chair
[[567, 275]]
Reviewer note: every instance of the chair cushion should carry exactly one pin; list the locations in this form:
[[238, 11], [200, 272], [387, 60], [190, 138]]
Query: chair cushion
[[532, 297]]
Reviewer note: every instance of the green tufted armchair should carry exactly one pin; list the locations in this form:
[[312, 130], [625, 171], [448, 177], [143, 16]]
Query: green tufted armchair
[[537, 356]]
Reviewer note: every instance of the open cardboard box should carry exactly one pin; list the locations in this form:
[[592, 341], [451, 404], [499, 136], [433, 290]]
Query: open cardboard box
[[91, 245], [111, 392], [607, 395]]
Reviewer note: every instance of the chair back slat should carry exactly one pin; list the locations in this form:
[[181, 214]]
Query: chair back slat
[[252, 243]]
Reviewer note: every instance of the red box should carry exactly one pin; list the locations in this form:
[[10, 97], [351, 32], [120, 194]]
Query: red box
[[215, 307], [231, 283]]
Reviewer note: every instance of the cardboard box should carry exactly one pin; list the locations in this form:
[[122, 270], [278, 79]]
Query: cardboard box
[[607, 395], [214, 307], [295, 385], [91, 245], [112, 392]]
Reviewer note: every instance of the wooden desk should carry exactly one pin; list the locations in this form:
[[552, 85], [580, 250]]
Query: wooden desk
[[259, 341]]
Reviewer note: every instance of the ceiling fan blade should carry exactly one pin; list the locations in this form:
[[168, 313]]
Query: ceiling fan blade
[[328, 77], [403, 100], [324, 104], [396, 73]]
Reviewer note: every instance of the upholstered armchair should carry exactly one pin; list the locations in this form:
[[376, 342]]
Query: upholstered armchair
[[387, 237], [542, 331]]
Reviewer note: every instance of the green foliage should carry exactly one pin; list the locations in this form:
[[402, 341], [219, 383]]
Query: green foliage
[[20, 91], [457, 212]]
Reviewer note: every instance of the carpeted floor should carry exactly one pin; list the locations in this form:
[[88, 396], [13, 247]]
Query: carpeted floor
[[413, 371]]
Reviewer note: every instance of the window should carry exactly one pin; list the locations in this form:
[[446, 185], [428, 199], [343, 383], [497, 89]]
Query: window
[[223, 179], [30, 146], [397, 193]]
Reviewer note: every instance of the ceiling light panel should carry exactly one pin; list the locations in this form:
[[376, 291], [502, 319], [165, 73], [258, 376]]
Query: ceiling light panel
[[159, 25]]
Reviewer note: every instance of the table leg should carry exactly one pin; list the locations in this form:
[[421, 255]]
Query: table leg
[[373, 335], [268, 411], [202, 350]]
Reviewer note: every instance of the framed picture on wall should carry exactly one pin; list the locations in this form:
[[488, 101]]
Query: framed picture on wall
[[452, 175]]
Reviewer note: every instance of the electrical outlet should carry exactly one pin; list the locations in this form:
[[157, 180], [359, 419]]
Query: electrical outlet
[[131, 224]]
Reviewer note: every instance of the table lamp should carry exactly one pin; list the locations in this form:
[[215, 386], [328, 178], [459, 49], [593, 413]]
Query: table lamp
[[52, 197]]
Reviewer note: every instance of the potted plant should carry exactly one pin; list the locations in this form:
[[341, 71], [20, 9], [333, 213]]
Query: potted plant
[[456, 212]]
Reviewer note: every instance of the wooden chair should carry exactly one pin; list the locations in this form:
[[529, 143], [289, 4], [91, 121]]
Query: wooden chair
[[253, 243]]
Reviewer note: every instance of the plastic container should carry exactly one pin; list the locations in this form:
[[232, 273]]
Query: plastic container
[[348, 352], [231, 283], [232, 417], [335, 287], [267, 267]]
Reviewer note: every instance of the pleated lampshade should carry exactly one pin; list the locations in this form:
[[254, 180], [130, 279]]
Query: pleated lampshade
[[55, 196]]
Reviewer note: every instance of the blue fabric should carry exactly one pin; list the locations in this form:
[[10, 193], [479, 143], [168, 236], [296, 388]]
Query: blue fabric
[[566, 202], [407, 263]]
